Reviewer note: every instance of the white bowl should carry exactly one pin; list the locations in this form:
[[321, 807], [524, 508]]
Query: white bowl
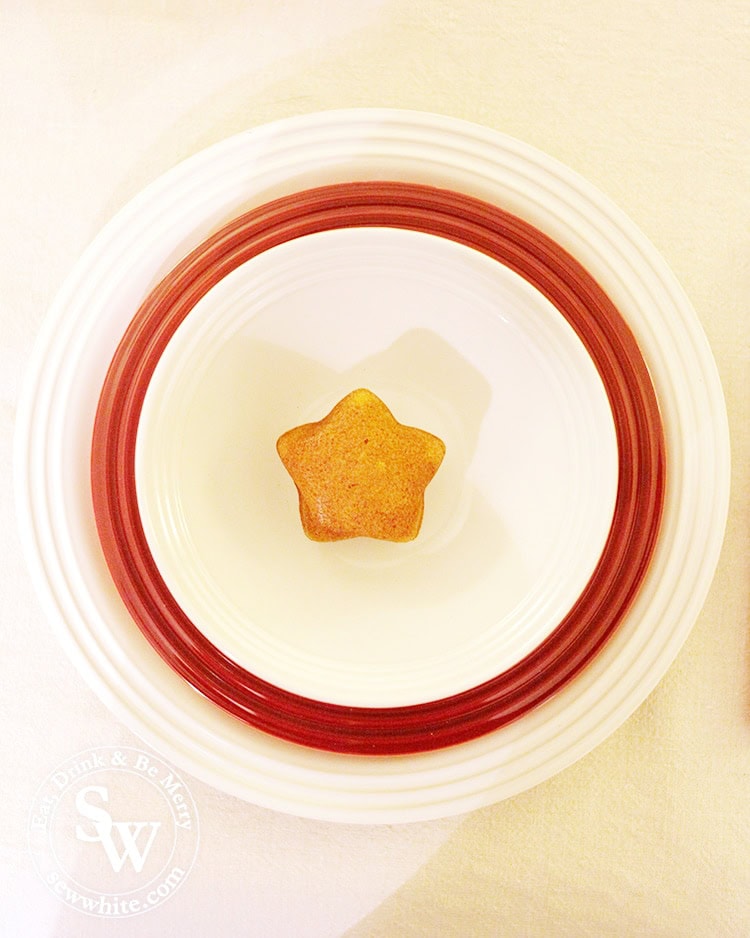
[[454, 342]]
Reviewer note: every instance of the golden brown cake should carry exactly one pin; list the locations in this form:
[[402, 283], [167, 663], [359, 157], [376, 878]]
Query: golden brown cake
[[359, 472]]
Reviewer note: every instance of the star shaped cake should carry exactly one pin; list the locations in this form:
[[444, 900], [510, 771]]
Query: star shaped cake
[[359, 472]]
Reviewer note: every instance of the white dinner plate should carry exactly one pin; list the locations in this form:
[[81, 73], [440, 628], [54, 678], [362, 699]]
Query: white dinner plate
[[89, 317]]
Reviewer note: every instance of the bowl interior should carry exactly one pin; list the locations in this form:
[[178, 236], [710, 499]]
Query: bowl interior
[[453, 342]]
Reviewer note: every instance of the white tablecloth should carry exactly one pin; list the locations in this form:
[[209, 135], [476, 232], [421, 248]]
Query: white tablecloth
[[650, 833]]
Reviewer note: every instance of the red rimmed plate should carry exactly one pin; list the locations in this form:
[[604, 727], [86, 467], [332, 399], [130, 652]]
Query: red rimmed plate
[[582, 632]]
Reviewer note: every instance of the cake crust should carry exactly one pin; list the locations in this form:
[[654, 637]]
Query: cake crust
[[359, 472]]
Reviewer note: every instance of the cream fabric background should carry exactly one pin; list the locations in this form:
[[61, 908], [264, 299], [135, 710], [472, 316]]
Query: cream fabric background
[[650, 834]]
